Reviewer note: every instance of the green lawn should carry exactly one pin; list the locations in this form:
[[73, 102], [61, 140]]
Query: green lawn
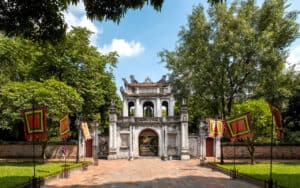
[[13, 174], [286, 174]]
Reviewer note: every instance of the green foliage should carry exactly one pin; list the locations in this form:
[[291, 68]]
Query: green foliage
[[80, 65], [70, 77], [57, 96], [17, 56], [37, 20], [261, 118], [213, 2], [44, 21], [291, 115], [234, 53]]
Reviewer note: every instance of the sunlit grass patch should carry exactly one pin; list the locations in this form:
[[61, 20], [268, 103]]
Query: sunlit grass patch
[[285, 174]]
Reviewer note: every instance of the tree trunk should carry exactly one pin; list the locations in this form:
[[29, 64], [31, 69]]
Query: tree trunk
[[44, 146], [251, 149]]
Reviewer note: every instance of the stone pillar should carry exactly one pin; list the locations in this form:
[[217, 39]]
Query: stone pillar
[[171, 107], [131, 143], [218, 148], [184, 150], [138, 108], [112, 146], [203, 135], [125, 108], [77, 122], [81, 145], [158, 107], [165, 142]]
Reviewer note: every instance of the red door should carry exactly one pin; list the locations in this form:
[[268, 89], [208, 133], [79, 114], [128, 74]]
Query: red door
[[89, 148], [209, 147]]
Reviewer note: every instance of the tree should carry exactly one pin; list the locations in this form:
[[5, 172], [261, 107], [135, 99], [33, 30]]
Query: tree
[[17, 56], [57, 96], [221, 59], [80, 65], [72, 61], [291, 115], [261, 122]]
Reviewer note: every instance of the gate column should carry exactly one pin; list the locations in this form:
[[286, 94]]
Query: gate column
[[184, 153], [112, 150]]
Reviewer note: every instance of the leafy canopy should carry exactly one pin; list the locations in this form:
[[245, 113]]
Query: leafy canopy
[[225, 56], [15, 96], [68, 77], [44, 21]]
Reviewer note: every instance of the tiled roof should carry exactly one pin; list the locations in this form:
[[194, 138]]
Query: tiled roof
[[147, 84], [146, 94]]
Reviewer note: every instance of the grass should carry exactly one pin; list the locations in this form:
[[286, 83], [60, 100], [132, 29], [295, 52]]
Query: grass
[[13, 174], [285, 174]]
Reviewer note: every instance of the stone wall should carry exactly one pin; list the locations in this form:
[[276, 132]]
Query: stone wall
[[103, 146], [194, 146], [263, 151], [24, 150]]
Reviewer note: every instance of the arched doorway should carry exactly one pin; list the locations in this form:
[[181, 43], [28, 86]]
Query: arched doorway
[[164, 109], [131, 109], [148, 143], [148, 109]]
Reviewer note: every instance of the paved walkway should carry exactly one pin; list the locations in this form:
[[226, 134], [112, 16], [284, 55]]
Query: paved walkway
[[147, 173]]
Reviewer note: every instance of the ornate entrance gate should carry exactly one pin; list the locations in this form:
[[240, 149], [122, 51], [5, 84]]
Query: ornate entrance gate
[[148, 143]]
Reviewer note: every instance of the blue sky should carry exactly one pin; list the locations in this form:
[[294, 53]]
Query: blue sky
[[142, 34]]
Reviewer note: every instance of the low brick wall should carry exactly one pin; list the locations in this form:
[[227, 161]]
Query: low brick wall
[[262, 151], [24, 150]]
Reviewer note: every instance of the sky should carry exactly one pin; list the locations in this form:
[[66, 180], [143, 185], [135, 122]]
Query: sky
[[142, 34]]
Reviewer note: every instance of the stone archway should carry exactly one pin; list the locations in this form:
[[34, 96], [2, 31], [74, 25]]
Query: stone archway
[[148, 143]]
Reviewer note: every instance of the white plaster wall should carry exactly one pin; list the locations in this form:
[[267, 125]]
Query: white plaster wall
[[122, 152]]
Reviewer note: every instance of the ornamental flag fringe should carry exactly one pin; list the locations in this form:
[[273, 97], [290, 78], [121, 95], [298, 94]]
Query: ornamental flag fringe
[[215, 128], [64, 127], [277, 119], [85, 130], [34, 123], [239, 127]]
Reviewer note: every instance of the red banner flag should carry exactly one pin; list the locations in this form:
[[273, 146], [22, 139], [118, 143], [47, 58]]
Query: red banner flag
[[215, 128], [64, 127], [34, 123], [239, 127], [276, 114]]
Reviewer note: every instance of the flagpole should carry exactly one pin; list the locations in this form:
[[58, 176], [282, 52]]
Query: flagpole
[[270, 182], [215, 148], [222, 156], [234, 171], [234, 152]]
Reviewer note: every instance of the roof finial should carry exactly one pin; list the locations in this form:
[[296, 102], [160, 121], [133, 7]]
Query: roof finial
[[132, 79], [148, 80]]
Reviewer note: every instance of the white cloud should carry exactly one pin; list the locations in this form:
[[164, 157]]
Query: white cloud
[[294, 57], [77, 9], [123, 48], [76, 16]]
